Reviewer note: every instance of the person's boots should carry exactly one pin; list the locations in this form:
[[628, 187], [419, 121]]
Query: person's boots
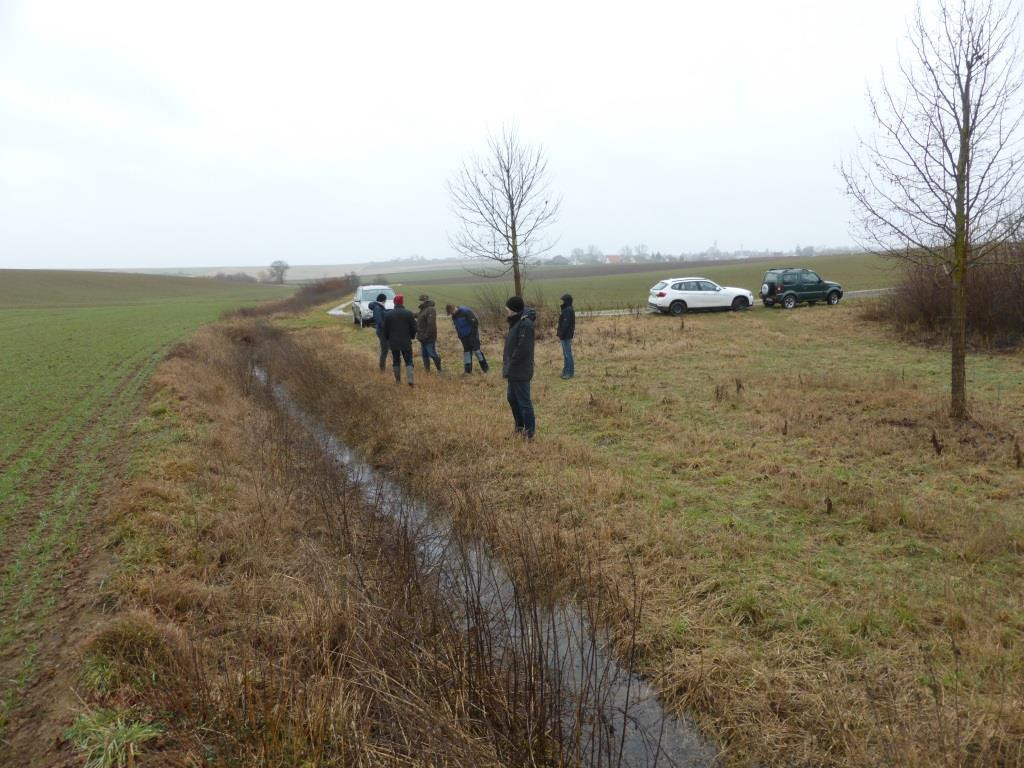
[[483, 364], [469, 367], [398, 374], [408, 373], [437, 364]]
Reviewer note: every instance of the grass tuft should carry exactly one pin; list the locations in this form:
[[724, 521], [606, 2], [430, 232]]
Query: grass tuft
[[109, 739]]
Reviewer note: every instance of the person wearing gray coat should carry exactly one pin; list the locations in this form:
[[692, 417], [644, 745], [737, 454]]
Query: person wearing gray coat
[[426, 333]]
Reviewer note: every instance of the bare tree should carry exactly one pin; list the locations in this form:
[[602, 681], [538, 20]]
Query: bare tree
[[941, 181], [276, 272], [504, 205]]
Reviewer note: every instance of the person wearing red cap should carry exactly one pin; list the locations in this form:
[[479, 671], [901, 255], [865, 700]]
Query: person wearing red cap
[[400, 330]]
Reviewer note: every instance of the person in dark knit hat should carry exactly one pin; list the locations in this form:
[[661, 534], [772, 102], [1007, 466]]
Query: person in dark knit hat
[[566, 330], [380, 311], [400, 330], [517, 364]]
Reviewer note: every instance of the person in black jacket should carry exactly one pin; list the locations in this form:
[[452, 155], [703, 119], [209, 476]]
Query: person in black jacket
[[380, 311], [566, 330], [517, 364], [400, 330]]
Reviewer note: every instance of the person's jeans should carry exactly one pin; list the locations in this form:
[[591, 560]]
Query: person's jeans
[[467, 360], [568, 364], [430, 353], [522, 407], [383, 350], [404, 353]]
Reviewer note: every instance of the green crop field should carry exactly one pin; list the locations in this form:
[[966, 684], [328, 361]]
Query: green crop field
[[77, 349], [609, 287]]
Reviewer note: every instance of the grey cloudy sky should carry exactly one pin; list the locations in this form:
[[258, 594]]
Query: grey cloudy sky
[[140, 134]]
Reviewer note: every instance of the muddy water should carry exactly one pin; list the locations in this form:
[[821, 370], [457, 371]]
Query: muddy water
[[617, 715]]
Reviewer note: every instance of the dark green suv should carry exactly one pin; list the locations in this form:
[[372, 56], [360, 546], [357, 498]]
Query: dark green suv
[[789, 285]]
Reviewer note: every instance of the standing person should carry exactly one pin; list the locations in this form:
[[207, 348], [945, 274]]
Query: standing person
[[400, 330], [379, 310], [566, 330], [468, 328], [517, 364], [426, 333]]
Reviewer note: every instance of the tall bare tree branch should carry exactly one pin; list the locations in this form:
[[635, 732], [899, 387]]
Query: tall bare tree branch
[[941, 182], [504, 204]]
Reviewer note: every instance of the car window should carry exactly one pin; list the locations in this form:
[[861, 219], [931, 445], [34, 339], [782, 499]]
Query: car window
[[372, 294], [706, 285], [659, 286], [691, 285], [678, 287], [788, 278], [810, 277], [770, 277]]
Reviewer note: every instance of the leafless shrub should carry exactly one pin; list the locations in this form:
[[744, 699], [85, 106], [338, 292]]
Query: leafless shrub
[[307, 296], [921, 306]]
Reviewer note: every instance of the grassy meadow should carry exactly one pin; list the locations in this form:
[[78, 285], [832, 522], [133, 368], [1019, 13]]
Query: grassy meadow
[[770, 510], [611, 287], [78, 349], [830, 568]]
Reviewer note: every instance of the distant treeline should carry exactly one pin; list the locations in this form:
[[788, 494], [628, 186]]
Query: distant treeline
[[235, 277]]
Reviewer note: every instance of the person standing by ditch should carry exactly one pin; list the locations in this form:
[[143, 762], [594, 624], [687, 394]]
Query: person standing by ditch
[[566, 331], [400, 330], [380, 310], [467, 326], [517, 364], [426, 333]]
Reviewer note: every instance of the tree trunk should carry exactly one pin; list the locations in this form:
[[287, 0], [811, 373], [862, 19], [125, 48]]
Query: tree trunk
[[958, 366], [958, 378], [517, 275]]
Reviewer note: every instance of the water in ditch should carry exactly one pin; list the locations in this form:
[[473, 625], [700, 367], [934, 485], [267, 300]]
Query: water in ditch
[[621, 721]]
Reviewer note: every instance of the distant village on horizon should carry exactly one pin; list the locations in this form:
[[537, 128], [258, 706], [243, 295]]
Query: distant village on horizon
[[590, 256]]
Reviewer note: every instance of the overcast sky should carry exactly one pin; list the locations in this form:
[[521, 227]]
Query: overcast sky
[[144, 134]]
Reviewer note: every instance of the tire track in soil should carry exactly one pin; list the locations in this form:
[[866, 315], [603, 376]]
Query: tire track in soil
[[51, 531], [44, 473]]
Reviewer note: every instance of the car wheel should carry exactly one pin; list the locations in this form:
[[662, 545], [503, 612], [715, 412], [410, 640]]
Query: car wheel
[[739, 303], [677, 307], [789, 302], [833, 298]]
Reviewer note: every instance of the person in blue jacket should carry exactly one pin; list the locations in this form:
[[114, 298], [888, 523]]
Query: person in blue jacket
[[379, 312], [467, 326]]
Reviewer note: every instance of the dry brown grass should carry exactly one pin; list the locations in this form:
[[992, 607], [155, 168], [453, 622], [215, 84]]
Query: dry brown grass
[[820, 586], [263, 615]]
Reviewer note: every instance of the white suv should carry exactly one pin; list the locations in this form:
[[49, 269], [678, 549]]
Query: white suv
[[681, 294], [361, 313]]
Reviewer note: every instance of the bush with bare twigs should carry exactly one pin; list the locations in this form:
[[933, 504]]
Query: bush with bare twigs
[[921, 306]]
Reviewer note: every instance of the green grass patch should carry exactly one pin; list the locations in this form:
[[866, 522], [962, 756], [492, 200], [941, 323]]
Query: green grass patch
[[78, 348], [614, 288]]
